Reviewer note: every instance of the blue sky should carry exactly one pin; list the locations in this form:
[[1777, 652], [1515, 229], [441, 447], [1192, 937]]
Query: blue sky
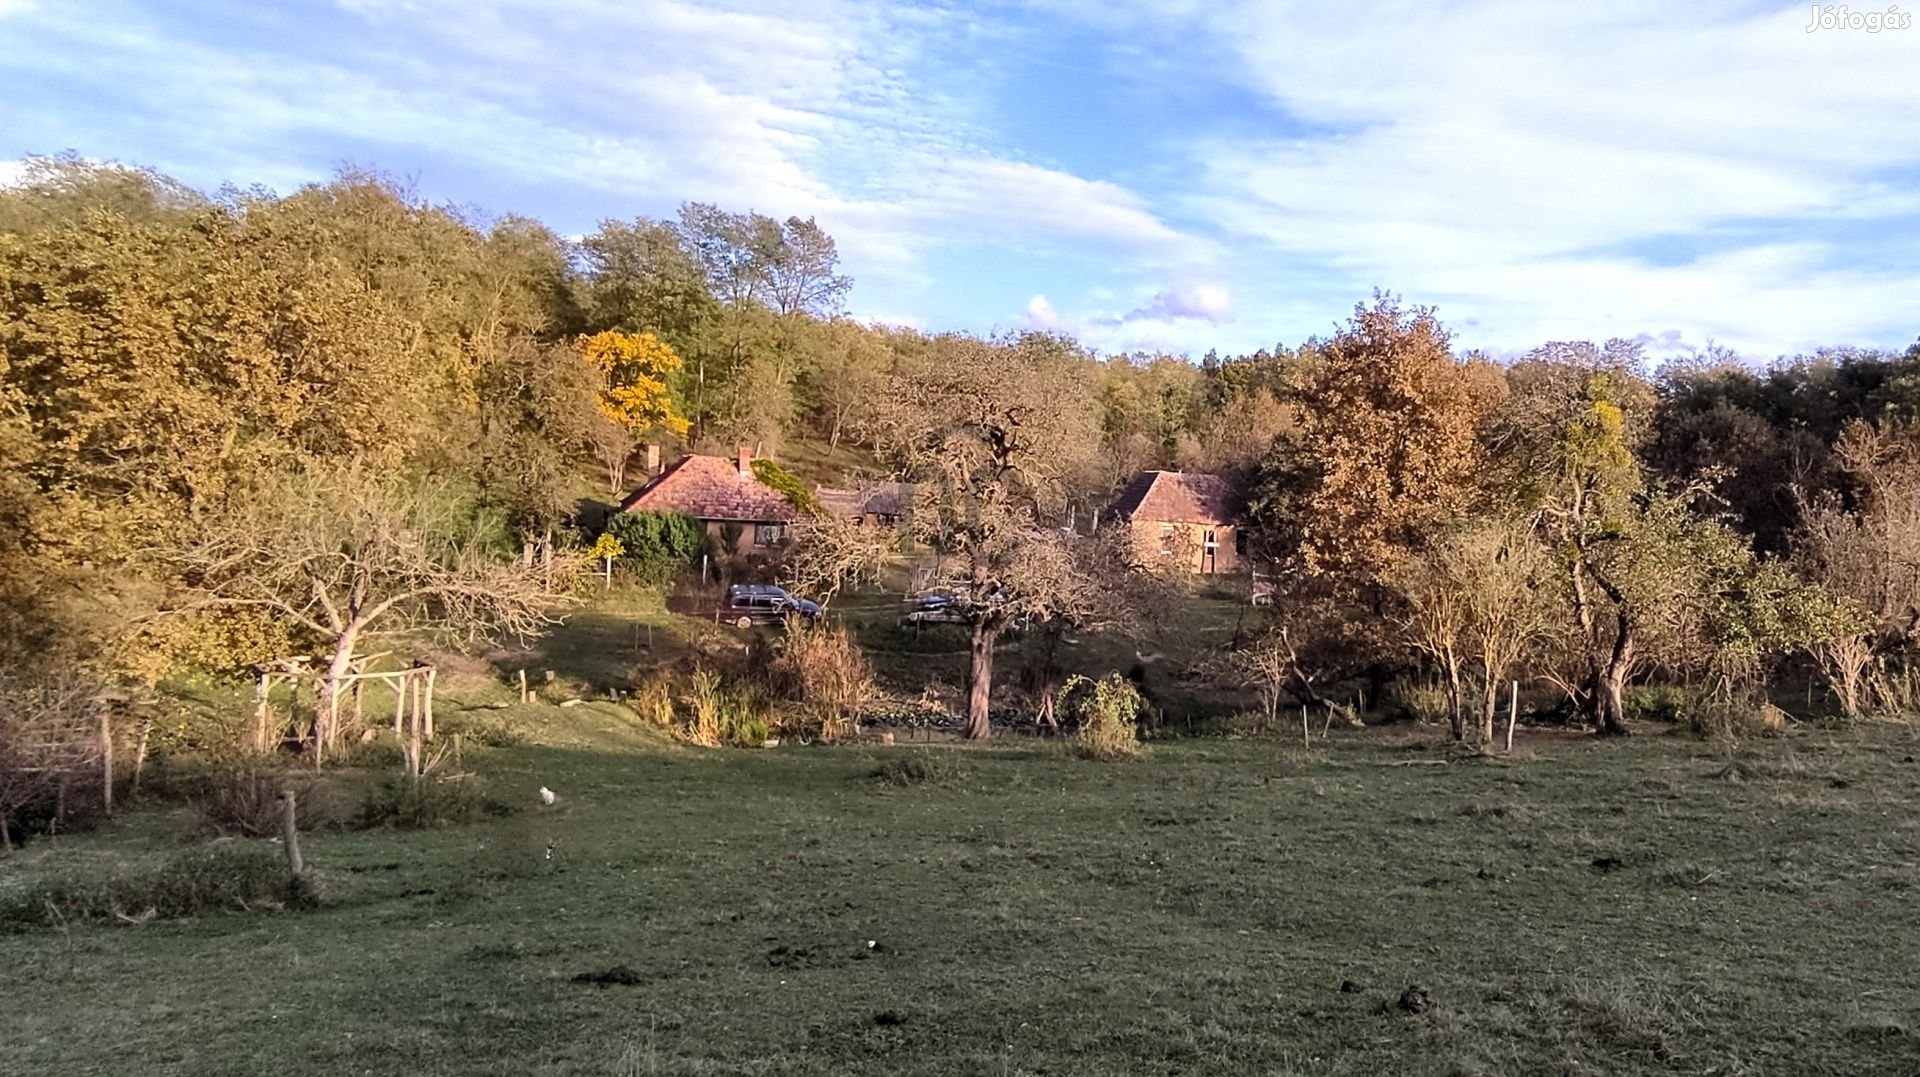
[[1167, 174]]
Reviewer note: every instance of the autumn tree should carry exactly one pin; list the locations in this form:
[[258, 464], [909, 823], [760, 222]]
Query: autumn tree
[[634, 395], [1388, 443], [990, 432]]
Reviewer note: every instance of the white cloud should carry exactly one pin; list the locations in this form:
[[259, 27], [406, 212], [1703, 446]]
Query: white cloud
[[819, 108], [1163, 324], [1487, 156], [1209, 303]]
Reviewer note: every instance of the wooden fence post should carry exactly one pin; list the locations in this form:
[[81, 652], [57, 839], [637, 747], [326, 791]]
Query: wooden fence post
[[1513, 713], [431, 674], [290, 834], [106, 761]]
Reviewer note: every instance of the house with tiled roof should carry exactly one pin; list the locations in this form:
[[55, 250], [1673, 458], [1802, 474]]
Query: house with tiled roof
[[1180, 521], [741, 513], [883, 504]]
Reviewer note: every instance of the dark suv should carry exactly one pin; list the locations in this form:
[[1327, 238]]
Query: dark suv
[[755, 603]]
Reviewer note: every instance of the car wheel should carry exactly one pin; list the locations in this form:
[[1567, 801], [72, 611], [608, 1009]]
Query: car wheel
[[744, 622]]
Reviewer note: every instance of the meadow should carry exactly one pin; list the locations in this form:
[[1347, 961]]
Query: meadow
[[1380, 904]]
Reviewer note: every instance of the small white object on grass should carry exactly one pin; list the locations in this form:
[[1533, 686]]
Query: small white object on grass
[[546, 795]]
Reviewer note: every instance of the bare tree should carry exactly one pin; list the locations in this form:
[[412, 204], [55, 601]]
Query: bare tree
[[830, 553], [1868, 558], [345, 555], [50, 735], [992, 432]]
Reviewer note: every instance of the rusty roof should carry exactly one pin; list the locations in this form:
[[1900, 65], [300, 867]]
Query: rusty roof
[[1176, 497], [711, 488]]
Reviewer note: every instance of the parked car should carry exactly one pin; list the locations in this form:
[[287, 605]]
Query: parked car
[[750, 604], [933, 607]]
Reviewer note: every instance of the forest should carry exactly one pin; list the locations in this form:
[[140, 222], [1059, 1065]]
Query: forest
[[240, 426]]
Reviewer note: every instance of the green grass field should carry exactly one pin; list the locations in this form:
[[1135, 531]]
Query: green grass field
[[1219, 907]]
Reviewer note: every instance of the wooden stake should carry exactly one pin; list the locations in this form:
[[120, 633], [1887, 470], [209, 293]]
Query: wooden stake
[[260, 714], [399, 684], [523, 686], [1513, 713], [431, 674], [1306, 731], [290, 834], [140, 753], [106, 761], [413, 732]]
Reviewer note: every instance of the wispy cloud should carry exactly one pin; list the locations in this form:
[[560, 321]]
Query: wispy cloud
[[1535, 170]]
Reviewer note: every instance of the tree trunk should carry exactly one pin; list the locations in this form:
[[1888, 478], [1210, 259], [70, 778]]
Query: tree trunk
[[1489, 708], [326, 713], [1456, 707], [1610, 701], [980, 681]]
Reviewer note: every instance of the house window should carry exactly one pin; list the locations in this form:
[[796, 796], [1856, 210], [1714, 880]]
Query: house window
[[1166, 539], [766, 534]]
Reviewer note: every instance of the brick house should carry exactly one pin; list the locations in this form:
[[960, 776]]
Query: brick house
[[741, 513], [1181, 521]]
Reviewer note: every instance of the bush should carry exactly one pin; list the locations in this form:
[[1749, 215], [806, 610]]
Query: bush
[[1424, 704], [424, 803], [1704, 714], [245, 801], [657, 544], [1105, 713], [916, 768], [1722, 719], [224, 876], [1661, 703], [653, 701], [825, 671], [726, 714], [485, 729]]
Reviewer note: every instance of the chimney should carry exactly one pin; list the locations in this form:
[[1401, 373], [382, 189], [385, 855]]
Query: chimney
[[653, 460], [744, 454]]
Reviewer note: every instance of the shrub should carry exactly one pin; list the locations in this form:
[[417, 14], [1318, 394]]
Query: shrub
[[225, 875], [653, 701], [485, 729], [1105, 713], [726, 714], [1661, 702], [424, 803], [245, 801], [916, 768], [825, 671], [1724, 719], [656, 545], [1424, 704]]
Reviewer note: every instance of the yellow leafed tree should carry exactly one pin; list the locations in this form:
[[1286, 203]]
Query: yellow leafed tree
[[634, 368]]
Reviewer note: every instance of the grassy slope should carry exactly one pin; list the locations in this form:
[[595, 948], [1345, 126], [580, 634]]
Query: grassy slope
[[1193, 913]]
